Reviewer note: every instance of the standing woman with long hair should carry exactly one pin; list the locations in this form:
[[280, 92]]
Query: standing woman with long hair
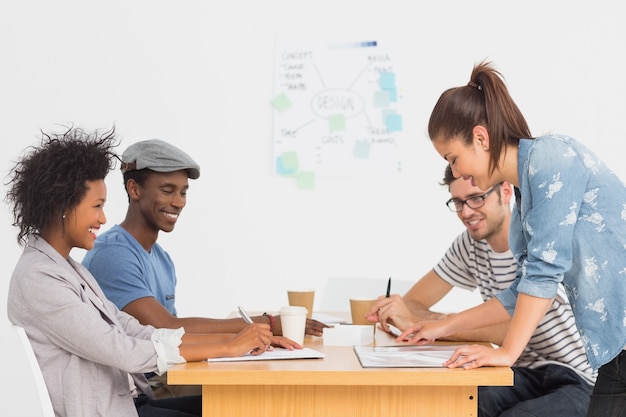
[[93, 356], [568, 225]]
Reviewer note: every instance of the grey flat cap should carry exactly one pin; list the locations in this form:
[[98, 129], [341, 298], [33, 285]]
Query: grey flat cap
[[160, 156]]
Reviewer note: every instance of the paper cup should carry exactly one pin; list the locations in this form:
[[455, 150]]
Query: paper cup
[[302, 298], [293, 322], [359, 307]]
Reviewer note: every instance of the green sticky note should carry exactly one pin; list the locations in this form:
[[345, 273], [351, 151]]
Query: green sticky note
[[381, 98], [281, 102], [306, 180], [287, 163], [336, 122]]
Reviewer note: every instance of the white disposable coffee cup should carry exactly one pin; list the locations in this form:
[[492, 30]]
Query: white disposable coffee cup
[[293, 322]]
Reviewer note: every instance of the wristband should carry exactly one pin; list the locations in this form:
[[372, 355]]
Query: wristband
[[271, 318]]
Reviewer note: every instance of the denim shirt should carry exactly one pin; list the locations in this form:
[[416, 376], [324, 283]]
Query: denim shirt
[[570, 227]]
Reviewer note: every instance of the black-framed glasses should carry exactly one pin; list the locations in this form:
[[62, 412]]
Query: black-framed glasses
[[475, 202]]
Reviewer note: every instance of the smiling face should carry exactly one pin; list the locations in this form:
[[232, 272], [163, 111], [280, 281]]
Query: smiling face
[[489, 221], [83, 221], [162, 198], [469, 161]]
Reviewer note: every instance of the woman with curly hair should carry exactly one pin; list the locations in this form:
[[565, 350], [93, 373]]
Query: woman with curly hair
[[93, 356]]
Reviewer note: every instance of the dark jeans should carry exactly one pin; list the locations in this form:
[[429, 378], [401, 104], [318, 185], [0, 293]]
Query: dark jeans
[[547, 391], [609, 394], [169, 407]]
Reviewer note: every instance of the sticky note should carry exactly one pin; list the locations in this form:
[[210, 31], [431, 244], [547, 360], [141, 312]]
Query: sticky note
[[336, 122], [387, 80], [393, 122], [287, 163], [361, 149], [281, 102], [381, 98], [306, 180]]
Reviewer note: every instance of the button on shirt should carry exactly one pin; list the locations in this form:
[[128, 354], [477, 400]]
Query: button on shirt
[[571, 227]]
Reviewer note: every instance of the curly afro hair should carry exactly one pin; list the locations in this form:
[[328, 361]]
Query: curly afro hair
[[50, 180]]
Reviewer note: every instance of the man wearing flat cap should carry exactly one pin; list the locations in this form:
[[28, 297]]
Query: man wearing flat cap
[[142, 280], [158, 155]]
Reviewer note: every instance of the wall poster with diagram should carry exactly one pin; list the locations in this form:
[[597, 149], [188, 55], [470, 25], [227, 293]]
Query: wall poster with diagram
[[336, 110]]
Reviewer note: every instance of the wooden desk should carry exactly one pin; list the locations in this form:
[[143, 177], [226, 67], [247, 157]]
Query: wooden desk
[[336, 386]]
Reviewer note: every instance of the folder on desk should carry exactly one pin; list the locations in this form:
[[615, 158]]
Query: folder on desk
[[404, 356]]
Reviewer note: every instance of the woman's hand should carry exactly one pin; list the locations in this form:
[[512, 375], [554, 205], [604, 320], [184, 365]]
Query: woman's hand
[[475, 356], [280, 341], [254, 338]]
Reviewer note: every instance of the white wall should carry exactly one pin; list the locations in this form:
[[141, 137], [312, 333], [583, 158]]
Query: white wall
[[200, 74]]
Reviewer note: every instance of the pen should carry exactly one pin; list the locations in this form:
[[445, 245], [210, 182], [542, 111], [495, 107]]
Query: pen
[[394, 330], [248, 320], [388, 288], [244, 315]]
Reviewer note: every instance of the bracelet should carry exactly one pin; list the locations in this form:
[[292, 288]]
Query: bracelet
[[271, 318]]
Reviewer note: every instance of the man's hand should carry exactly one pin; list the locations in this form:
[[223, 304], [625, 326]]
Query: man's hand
[[313, 327], [393, 310]]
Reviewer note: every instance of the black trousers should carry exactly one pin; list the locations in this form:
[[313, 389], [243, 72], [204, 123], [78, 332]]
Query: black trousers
[[190, 406]]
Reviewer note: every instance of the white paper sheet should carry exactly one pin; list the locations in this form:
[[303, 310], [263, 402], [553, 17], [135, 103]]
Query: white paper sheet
[[275, 354], [404, 356], [328, 319]]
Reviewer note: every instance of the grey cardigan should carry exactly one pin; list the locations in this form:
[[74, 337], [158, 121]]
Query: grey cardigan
[[85, 346]]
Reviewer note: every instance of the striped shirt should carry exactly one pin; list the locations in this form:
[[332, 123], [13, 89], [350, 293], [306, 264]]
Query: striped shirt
[[471, 264]]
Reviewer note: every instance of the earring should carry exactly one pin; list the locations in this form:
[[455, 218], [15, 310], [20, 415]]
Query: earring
[[485, 148]]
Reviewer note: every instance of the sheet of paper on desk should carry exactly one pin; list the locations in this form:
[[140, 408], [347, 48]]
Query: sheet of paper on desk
[[382, 338], [275, 354], [404, 356], [328, 318]]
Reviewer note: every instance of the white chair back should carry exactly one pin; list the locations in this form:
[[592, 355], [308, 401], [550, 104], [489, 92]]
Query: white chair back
[[28, 383]]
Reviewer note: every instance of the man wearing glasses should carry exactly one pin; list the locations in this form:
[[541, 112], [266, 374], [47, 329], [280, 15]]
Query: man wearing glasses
[[552, 377]]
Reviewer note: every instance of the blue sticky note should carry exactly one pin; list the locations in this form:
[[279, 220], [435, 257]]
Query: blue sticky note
[[387, 80], [287, 163], [393, 94], [361, 149], [393, 121]]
